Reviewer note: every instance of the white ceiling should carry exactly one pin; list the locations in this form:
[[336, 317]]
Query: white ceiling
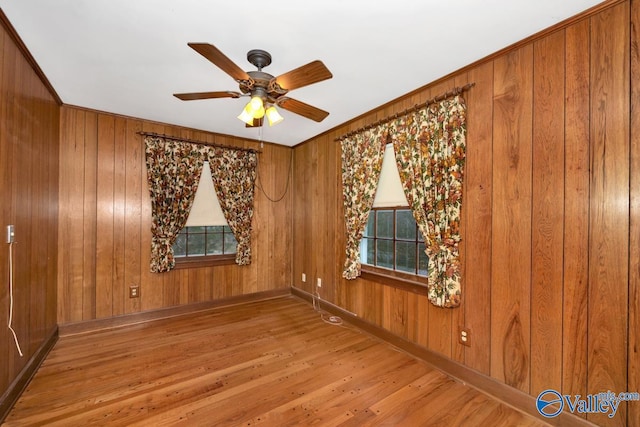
[[130, 56]]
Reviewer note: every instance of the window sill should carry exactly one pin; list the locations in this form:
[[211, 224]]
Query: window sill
[[407, 282], [204, 261]]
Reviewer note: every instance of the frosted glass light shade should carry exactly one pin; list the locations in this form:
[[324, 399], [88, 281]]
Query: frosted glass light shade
[[256, 103], [246, 115], [273, 116]]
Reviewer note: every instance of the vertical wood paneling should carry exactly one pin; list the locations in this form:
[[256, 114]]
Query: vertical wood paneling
[[633, 415], [319, 204], [29, 144], [609, 206], [550, 252], [413, 314], [133, 212], [70, 229], [104, 220], [21, 209], [90, 212], [548, 212], [477, 210], [395, 311], [329, 195], [8, 141], [197, 283], [576, 210], [511, 218], [115, 222], [440, 319], [52, 142], [299, 178], [263, 223], [39, 219], [152, 294], [6, 159], [314, 205], [458, 316], [119, 195], [281, 212]]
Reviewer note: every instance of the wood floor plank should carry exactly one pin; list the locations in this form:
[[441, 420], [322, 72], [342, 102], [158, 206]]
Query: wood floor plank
[[348, 394], [268, 363]]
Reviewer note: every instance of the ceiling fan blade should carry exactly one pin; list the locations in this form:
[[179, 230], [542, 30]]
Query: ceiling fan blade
[[206, 95], [219, 59], [303, 109], [308, 74]]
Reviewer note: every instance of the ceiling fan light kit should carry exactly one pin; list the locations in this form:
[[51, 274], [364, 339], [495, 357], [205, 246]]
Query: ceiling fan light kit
[[265, 90]]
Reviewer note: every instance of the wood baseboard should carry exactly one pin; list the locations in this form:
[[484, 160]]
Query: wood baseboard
[[18, 385], [90, 326], [510, 396]]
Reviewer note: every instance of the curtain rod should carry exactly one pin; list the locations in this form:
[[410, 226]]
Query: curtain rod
[[455, 91], [211, 144]]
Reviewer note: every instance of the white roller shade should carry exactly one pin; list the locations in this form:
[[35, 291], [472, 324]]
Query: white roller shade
[[206, 208], [389, 192]]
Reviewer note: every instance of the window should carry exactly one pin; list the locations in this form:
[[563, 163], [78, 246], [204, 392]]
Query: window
[[203, 241], [392, 241], [206, 239], [392, 248]]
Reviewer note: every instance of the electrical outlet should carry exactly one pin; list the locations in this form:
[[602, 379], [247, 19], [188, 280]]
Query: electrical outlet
[[134, 291], [319, 282], [464, 337], [304, 277]]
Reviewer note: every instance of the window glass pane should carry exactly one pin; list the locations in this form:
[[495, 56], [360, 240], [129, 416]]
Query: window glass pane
[[195, 244], [392, 240], [423, 260], [405, 225], [384, 253], [180, 246], [208, 240], [384, 224], [230, 243], [214, 243], [367, 251], [406, 256], [369, 230]]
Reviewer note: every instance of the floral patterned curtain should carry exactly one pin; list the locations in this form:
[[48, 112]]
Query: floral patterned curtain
[[234, 176], [362, 156], [173, 173], [430, 154]]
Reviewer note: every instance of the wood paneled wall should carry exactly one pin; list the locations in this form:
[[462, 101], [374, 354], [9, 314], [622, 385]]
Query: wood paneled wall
[[547, 218], [105, 222], [29, 127]]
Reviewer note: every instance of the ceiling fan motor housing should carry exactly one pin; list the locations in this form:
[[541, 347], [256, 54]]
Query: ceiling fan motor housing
[[262, 84]]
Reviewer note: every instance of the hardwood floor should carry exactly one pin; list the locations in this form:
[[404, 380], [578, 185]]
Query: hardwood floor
[[270, 363]]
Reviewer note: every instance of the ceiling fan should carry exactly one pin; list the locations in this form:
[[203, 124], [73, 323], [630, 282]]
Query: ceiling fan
[[265, 90]]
